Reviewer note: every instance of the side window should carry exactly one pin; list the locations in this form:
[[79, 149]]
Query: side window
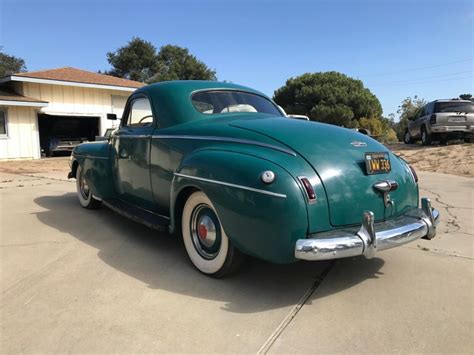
[[429, 108], [140, 114], [3, 123]]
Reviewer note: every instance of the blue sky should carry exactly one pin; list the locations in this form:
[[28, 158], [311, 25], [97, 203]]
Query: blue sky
[[397, 48]]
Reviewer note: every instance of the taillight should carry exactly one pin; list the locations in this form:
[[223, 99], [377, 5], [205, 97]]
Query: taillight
[[308, 188], [413, 172], [433, 118]]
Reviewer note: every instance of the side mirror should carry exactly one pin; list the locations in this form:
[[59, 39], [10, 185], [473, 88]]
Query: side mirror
[[112, 116]]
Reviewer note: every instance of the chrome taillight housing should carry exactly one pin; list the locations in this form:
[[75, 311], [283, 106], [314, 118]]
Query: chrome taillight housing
[[310, 194]]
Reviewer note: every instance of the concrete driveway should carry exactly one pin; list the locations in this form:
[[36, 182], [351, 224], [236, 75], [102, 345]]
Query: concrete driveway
[[79, 281]]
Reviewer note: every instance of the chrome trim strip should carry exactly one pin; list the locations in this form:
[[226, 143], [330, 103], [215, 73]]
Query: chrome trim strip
[[132, 135], [227, 139], [89, 156], [371, 237], [231, 185]]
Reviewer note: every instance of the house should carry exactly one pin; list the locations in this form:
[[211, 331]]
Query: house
[[41, 107]]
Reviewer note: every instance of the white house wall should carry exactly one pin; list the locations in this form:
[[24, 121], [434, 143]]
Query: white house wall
[[76, 101], [22, 141]]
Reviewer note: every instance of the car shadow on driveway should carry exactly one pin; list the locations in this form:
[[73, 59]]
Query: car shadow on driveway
[[160, 261]]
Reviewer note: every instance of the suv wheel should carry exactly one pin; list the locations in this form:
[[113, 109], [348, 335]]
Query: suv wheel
[[407, 138], [425, 136]]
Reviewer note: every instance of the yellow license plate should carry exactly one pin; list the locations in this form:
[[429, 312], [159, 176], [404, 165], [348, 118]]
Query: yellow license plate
[[377, 163]]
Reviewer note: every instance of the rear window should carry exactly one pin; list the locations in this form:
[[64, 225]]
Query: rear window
[[228, 101], [453, 106]]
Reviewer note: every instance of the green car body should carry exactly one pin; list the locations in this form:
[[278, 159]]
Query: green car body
[[157, 166]]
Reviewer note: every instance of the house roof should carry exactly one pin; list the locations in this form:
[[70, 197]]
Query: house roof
[[73, 75], [8, 97]]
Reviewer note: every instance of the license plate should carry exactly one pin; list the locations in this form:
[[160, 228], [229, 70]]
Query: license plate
[[377, 163], [457, 119]]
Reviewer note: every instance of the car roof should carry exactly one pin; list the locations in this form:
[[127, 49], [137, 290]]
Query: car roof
[[172, 99], [451, 100], [190, 86]]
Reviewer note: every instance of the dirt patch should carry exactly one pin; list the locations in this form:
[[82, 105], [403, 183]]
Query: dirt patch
[[60, 164], [456, 159]]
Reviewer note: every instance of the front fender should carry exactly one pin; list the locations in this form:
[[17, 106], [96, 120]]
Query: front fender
[[261, 220], [95, 161]]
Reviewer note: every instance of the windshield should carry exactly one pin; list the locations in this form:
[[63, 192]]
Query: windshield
[[453, 106], [227, 101]]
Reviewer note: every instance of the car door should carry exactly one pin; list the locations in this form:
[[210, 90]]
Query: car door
[[132, 153], [416, 124]]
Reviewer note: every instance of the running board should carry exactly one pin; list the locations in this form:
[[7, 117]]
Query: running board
[[137, 214]]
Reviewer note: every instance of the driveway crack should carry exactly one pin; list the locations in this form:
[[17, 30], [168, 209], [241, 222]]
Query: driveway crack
[[294, 311]]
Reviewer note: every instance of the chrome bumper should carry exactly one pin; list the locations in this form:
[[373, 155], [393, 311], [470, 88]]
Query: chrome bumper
[[371, 237]]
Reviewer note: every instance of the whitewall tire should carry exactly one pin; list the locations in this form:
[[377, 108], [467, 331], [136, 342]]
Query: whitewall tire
[[83, 191], [205, 240]]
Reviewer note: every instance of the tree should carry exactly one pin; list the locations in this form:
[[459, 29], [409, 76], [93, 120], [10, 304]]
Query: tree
[[408, 109], [138, 60], [329, 97], [465, 97], [134, 61], [176, 63], [10, 64]]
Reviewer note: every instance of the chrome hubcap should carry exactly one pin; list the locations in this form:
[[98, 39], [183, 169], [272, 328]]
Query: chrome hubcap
[[205, 231], [84, 187]]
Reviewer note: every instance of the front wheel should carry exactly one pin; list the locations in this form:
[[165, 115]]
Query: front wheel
[[206, 243], [83, 191], [407, 138]]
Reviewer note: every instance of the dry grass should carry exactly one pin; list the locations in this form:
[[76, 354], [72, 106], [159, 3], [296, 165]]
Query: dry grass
[[456, 159]]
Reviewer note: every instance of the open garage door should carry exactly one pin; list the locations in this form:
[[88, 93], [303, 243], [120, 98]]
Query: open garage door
[[62, 133]]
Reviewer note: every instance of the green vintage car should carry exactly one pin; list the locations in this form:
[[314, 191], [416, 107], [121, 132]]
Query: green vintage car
[[224, 167]]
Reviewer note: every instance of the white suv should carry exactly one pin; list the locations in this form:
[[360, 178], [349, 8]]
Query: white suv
[[442, 120]]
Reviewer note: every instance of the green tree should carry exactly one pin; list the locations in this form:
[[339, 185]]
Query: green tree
[[465, 97], [134, 61], [329, 97], [138, 60], [176, 63], [10, 64], [408, 109]]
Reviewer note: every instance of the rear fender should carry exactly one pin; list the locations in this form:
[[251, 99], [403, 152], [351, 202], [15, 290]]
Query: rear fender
[[263, 220]]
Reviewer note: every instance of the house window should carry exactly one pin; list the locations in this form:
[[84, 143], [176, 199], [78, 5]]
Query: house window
[[3, 123]]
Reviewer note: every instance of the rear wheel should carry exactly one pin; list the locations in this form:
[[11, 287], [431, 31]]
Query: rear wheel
[[407, 138], [205, 240], [425, 136], [83, 191]]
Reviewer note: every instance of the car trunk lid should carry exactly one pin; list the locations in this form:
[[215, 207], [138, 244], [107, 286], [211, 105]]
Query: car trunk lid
[[338, 156]]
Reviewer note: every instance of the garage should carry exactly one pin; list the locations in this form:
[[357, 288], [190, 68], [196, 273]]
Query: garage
[[60, 134], [49, 112]]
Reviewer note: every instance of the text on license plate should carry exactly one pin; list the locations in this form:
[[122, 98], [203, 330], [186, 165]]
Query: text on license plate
[[377, 163], [456, 119]]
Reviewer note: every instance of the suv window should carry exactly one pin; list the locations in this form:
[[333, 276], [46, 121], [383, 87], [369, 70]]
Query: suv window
[[454, 106], [140, 114]]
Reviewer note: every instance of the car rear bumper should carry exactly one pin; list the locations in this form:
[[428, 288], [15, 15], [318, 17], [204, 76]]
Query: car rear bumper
[[371, 237], [448, 129]]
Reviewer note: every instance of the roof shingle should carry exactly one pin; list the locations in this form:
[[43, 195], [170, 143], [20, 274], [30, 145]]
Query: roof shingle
[[80, 76]]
